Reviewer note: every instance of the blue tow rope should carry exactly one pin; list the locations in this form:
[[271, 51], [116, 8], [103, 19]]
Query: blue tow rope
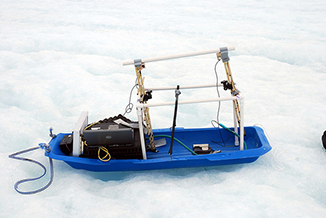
[[43, 146]]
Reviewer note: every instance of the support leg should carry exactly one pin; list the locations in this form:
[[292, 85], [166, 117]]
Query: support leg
[[142, 93], [236, 138], [141, 133], [242, 132]]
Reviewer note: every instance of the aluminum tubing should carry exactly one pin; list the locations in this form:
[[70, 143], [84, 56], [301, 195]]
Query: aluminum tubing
[[146, 60], [140, 105], [182, 87]]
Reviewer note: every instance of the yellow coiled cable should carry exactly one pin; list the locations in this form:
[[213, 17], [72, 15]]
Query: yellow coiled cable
[[107, 154]]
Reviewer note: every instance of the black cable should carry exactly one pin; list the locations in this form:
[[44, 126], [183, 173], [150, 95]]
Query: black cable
[[220, 134]]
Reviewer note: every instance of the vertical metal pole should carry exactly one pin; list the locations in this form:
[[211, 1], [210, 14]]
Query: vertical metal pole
[[141, 132], [241, 123], [235, 120]]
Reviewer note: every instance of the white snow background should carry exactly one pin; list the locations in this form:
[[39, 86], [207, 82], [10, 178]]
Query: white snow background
[[61, 57]]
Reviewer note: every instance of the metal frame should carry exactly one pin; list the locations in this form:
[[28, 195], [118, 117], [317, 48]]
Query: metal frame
[[237, 98]]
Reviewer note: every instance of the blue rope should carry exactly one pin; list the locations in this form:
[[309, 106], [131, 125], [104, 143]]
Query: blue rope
[[32, 179]]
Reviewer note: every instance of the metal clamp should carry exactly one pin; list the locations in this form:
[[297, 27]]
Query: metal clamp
[[224, 54], [138, 62]]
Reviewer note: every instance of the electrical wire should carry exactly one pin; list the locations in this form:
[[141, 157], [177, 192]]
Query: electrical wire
[[219, 103], [32, 179], [90, 125], [224, 127], [185, 146], [218, 92], [107, 154], [130, 105], [223, 141]]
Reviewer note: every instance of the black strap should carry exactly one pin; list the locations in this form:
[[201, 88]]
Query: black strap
[[177, 93]]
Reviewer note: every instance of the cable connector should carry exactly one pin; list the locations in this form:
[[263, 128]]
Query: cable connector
[[45, 147]]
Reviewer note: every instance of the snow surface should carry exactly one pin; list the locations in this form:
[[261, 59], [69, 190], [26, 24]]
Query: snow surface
[[61, 57]]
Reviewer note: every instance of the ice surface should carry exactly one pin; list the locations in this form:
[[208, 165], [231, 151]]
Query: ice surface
[[58, 58]]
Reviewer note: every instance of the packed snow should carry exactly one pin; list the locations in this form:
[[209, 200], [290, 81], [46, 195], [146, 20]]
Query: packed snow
[[61, 57]]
